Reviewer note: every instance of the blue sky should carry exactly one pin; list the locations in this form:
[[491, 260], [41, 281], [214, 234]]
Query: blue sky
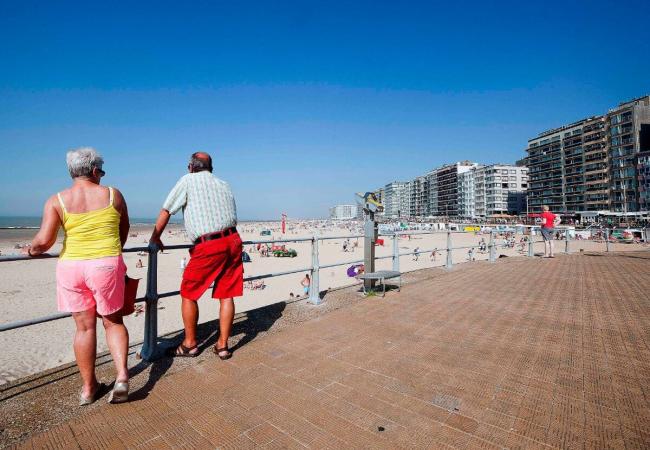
[[300, 103]]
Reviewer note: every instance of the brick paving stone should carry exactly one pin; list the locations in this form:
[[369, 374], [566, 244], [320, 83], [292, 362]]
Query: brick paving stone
[[525, 353]]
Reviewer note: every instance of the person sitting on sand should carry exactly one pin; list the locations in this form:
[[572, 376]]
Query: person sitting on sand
[[90, 271], [138, 265]]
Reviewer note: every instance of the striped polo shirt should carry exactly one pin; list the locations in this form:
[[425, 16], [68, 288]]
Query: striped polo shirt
[[207, 202]]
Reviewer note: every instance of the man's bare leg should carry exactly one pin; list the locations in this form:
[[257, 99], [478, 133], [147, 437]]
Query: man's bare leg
[[190, 312], [226, 317]]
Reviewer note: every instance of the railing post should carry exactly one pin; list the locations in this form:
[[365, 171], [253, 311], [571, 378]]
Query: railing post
[[396, 252], [567, 238], [450, 261], [314, 288], [149, 350], [607, 239], [493, 255], [531, 243]]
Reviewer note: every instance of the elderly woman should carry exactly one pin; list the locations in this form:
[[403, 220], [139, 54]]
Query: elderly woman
[[90, 271]]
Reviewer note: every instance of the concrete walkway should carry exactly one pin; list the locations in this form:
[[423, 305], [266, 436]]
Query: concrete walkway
[[533, 353]]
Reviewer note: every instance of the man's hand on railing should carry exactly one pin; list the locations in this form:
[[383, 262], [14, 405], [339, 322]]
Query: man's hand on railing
[[155, 241]]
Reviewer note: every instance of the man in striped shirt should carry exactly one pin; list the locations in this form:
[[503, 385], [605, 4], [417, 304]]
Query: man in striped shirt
[[210, 217]]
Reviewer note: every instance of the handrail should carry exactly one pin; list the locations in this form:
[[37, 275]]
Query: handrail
[[150, 349]]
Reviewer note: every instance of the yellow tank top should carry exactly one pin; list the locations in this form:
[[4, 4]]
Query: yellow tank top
[[93, 234]]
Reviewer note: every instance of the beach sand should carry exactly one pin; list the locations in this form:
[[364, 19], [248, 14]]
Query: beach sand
[[28, 287]]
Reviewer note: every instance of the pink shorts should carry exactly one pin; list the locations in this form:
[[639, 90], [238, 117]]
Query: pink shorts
[[91, 283]]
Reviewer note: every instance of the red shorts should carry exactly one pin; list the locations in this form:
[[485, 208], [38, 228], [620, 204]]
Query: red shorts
[[217, 261]]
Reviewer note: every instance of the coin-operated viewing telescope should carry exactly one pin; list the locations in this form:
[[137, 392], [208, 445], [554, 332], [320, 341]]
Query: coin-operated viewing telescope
[[370, 205]]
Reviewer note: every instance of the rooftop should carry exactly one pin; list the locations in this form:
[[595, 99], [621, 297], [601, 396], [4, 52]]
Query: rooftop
[[529, 353]]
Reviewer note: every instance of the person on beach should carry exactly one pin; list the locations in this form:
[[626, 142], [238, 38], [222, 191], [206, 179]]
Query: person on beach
[[416, 253], [306, 283], [210, 217], [549, 222], [90, 271]]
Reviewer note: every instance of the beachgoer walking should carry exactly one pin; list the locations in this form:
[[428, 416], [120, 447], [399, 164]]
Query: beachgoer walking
[[210, 217], [549, 222], [416, 253], [470, 254], [306, 283], [90, 271], [433, 255]]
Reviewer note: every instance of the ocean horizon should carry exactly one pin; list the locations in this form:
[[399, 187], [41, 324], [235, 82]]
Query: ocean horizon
[[34, 222]]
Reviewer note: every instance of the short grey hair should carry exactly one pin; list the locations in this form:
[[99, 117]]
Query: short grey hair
[[82, 161], [198, 163]]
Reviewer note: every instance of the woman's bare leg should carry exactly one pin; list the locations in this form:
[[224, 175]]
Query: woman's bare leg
[[85, 349], [117, 338]]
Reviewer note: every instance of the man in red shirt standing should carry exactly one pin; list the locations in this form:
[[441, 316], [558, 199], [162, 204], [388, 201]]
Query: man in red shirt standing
[[549, 222]]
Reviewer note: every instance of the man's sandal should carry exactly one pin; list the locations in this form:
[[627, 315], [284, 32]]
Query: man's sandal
[[219, 351], [182, 352]]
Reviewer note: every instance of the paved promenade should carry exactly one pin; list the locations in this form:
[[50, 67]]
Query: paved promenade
[[526, 353]]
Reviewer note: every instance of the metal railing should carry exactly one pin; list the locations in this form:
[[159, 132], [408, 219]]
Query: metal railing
[[150, 349]]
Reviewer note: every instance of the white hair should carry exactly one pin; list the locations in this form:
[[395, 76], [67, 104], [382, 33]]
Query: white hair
[[82, 161]]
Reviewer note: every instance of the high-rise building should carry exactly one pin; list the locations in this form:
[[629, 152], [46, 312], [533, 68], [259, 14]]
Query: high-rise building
[[499, 189], [344, 212], [466, 194], [432, 195], [643, 178], [629, 128], [590, 165], [396, 200], [418, 193], [447, 177]]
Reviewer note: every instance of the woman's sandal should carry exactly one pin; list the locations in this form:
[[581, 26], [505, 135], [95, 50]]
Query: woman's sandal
[[218, 351], [182, 352], [120, 392], [85, 401]]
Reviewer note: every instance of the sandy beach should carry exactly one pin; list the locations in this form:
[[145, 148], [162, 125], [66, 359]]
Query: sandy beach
[[28, 287]]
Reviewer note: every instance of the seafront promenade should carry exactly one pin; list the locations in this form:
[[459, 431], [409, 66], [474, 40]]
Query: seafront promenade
[[521, 353]]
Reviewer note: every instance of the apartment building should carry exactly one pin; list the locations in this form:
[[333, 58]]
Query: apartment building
[[629, 134], [500, 189], [345, 212], [590, 165], [643, 179], [418, 194], [447, 187], [432, 195], [466, 194], [396, 200]]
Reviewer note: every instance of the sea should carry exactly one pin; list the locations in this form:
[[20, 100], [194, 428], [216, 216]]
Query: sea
[[19, 228], [23, 227], [34, 222]]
